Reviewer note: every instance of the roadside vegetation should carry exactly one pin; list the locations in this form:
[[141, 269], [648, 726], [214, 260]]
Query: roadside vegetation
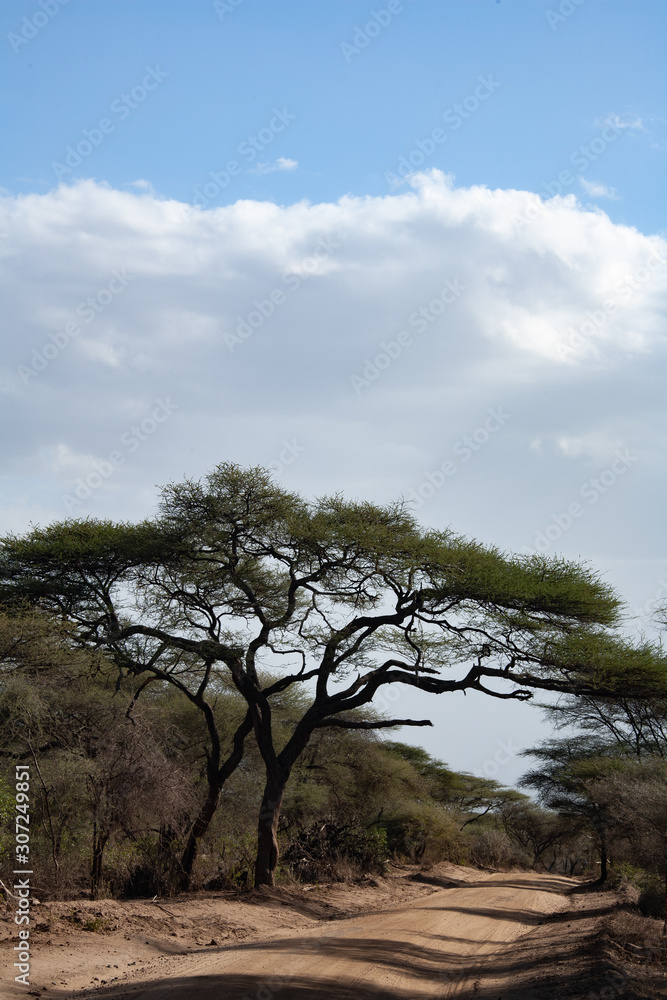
[[115, 784], [196, 697]]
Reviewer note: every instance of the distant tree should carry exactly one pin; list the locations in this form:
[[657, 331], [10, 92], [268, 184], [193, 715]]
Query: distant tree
[[97, 770], [567, 779], [237, 574], [466, 793], [544, 835], [636, 799], [607, 732], [624, 724]]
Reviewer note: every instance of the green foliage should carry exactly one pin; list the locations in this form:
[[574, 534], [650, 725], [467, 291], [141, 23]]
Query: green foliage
[[423, 832], [235, 856], [611, 665], [466, 792], [95, 924], [237, 575], [494, 848], [72, 565], [610, 774], [524, 591], [6, 817]]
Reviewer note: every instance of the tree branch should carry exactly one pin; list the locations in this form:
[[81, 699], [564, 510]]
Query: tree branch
[[345, 724]]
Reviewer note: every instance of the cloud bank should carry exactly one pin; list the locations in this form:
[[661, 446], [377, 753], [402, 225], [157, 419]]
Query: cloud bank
[[359, 345]]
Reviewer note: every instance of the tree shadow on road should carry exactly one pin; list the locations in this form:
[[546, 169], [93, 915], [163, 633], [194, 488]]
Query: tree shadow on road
[[295, 973], [569, 970], [552, 962], [249, 987]]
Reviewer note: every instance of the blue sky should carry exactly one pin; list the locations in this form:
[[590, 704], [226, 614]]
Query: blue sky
[[355, 113], [210, 250]]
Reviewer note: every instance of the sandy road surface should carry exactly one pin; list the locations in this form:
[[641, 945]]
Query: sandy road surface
[[437, 946]]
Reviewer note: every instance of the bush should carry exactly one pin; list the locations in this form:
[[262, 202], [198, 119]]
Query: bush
[[623, 874], [494, 849], [649, 886], [331, 852], [425, 834], [235, 863], [651, 900]]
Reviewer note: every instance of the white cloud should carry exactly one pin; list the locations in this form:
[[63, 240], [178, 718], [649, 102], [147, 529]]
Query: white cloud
[[637, 124], [596, 190], [596, 446], [62, 458], [143, 186], [282, 163], [63, 461], [557, 319], [633, 123], [538, 289]]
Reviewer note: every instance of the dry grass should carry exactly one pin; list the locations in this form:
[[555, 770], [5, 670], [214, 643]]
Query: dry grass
[[637, 946]]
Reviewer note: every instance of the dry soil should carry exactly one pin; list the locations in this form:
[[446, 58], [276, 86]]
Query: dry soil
[[446, 932]]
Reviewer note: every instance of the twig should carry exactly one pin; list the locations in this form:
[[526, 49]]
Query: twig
[[154, 900], [7, 890]]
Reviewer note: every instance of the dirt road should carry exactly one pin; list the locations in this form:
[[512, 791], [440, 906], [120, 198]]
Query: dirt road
[[437, 946]]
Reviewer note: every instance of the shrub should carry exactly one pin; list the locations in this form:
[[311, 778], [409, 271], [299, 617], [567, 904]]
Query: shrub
[[425, 833], [651, 900], [494, 849], [332, 852]]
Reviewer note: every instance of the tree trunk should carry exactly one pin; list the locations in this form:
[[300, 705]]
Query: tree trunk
[[199, 828], [99, 843], [267, 826], [216, 780], [603, 863], [168, 875]]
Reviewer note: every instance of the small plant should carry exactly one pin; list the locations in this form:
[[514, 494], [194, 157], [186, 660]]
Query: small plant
[[95, 924], [623, 873]]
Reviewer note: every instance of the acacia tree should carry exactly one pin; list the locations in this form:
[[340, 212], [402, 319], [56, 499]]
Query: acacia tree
[[625, 724], [566, 781], [610, 732], [469, 794], [236, 576], [82, 572], [636, 798]]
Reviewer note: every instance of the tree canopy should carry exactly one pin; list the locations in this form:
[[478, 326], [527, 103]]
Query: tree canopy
[[238, 581]]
